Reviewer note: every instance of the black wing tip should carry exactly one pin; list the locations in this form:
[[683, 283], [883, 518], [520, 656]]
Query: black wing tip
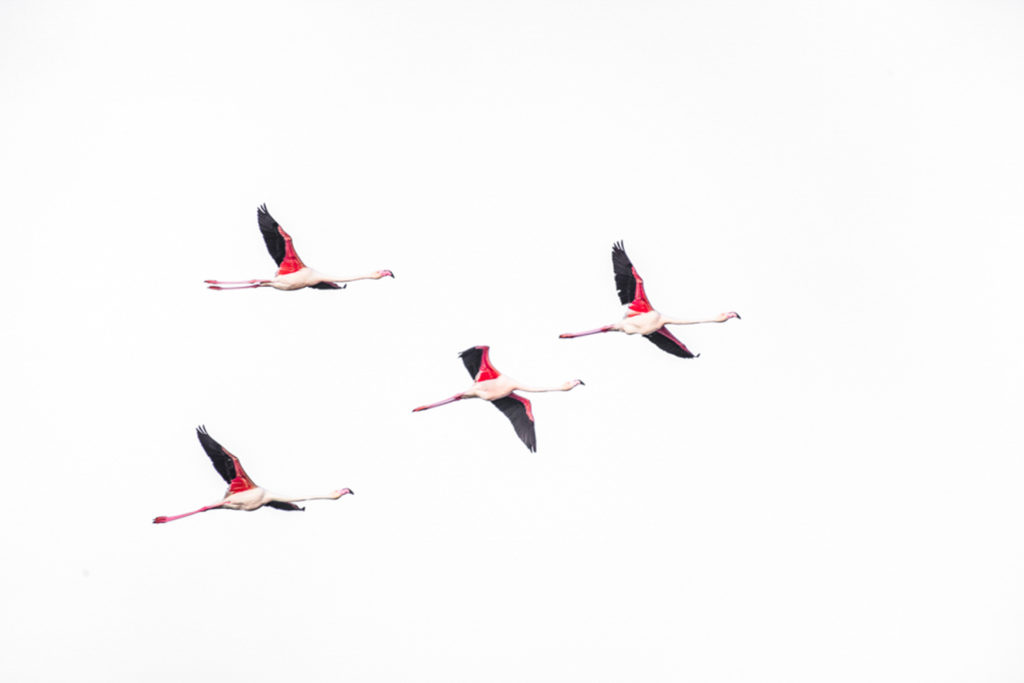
[[263, 215], [514, 408], [205, 438], [670, 345], [529, 437], [619, 246], [473, 348]]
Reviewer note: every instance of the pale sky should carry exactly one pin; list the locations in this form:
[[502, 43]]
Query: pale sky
[[831, 492]]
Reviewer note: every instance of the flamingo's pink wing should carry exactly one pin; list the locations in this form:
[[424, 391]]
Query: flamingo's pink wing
[[279, 243]]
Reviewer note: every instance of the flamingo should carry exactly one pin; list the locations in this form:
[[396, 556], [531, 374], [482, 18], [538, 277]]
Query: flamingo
[[491, 385], [292, 273], [640, 317], [242, 493]]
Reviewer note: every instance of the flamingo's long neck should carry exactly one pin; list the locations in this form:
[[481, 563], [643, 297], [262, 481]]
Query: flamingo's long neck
[[333, 495], [678, 321], [536, 390], [371, 276]]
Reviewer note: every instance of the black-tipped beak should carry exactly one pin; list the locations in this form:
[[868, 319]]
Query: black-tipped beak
[[392, 276], [582, 383], [738, 317]]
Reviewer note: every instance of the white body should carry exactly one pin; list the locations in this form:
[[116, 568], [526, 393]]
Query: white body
[[503, 385], [641, 323], [252, 499], [491, 389], [304, 277]]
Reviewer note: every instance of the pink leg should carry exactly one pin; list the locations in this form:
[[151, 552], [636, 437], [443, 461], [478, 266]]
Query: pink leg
[[163, 519], [567, 335], [241, 287], [233, 282], [457, 397]]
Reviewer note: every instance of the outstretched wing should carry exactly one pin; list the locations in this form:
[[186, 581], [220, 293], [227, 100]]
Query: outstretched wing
[[279, 243], [226, 464], [666, 341], [520, 412], [478, 363], [623, 268], [281, 505], [628, 281], [327, 285]]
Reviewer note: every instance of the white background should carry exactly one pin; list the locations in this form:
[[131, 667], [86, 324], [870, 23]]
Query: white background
[[831, 492]]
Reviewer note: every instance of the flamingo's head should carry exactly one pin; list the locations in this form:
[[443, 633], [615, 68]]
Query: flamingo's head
[[730, 314], [383, 273], [575, 383], [341, 492]]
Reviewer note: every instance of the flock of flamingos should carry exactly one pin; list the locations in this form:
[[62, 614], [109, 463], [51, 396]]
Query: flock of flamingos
[[488, 383]]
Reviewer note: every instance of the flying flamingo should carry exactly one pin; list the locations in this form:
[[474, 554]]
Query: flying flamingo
[[242, 493], [292, 273], [491, 385], [640, 316]]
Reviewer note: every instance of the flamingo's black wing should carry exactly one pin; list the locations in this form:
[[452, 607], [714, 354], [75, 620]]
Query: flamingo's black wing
[[625, 281], [327, 285], [281, 505], [271, 234], [666, 341], [221, 459], [472, 358], [520, 412]]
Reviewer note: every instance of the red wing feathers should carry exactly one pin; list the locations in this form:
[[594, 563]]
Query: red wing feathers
[[241, 480], [640, 303], [628, 282], [291, 262], [279, 243], [478, 363], [226, 464]]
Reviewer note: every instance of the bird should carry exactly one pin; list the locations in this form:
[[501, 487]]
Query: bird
[[242, 493], [640, 316], [499, 389], [292, 273]]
